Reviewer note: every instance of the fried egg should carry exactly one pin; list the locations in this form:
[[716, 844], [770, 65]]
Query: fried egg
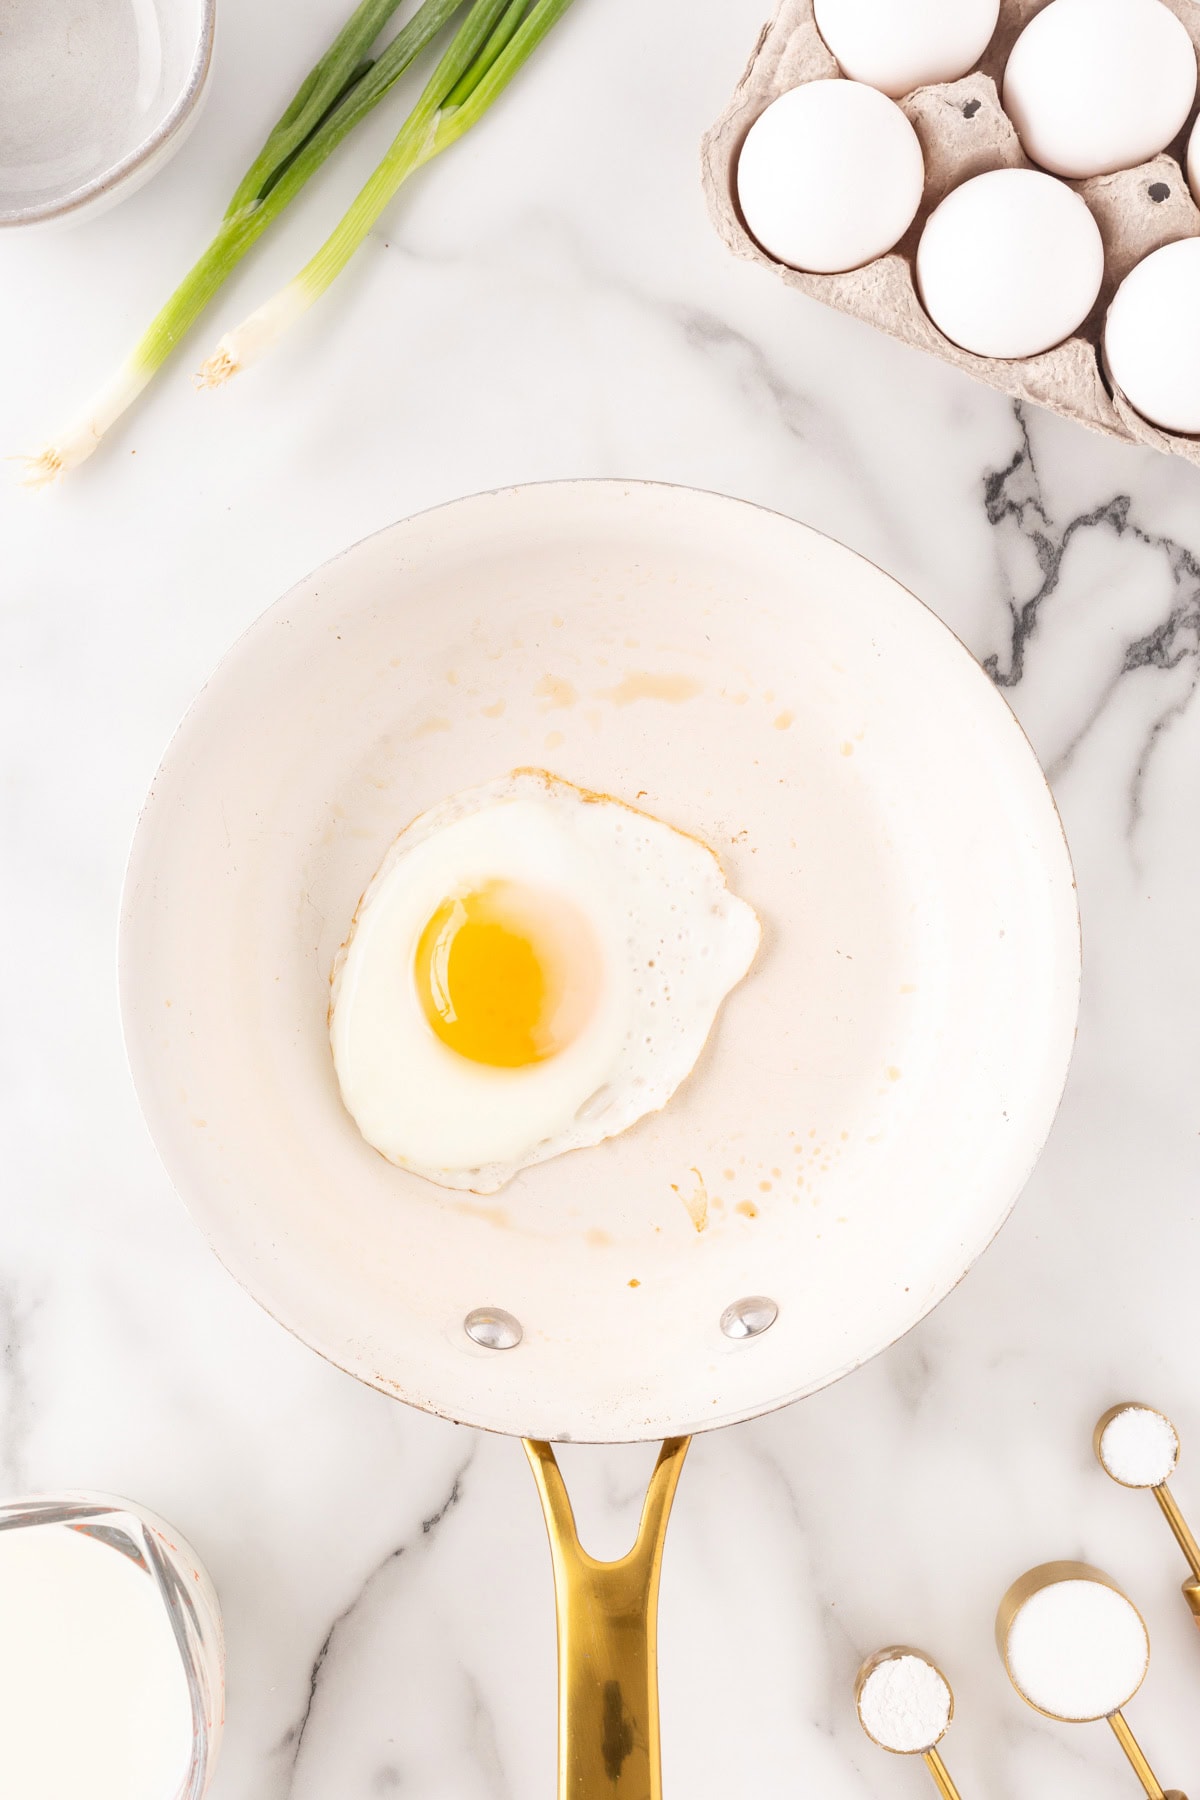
[[533, 968]]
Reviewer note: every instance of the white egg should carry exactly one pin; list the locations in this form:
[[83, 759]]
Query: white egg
[[1010, 263], [1193, 161], [899, 45], [1098, 85], [830, 176], [533, 968], [1152, 337]]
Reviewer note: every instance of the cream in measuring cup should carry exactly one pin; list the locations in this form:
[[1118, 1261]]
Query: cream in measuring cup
[[111, 1657]]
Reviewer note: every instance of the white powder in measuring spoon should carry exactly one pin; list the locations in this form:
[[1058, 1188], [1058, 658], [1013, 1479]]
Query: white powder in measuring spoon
[[1139, 1447], [904, 1704], [93, 1694], [1078, 1650]]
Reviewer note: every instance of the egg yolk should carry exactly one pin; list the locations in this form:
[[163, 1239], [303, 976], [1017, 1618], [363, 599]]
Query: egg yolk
[[507, 975]]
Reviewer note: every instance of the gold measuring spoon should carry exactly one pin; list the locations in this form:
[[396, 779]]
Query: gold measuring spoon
[[1139, 1447], [903, 1697], [1076, 1648]]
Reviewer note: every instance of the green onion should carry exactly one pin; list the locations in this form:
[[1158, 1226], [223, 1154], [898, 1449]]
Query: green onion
[[490, 45], [338, 92]]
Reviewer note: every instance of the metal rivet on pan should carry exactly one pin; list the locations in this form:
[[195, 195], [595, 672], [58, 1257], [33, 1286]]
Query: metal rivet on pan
[[747, 1318], [492, 1327]]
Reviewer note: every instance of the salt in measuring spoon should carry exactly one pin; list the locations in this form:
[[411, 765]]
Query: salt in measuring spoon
[[904, 1705], [1077, 1649], [1139, 1447]]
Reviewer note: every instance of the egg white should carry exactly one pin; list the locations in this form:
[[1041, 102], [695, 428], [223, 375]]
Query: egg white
[[672, 940]]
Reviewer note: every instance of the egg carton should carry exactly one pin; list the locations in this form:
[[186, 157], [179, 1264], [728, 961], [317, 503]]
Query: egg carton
[[964, 131]]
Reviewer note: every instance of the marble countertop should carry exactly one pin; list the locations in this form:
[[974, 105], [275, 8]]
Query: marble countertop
[[551, 301]]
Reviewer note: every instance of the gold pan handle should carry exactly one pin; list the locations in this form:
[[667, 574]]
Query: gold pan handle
[[608, 1740]]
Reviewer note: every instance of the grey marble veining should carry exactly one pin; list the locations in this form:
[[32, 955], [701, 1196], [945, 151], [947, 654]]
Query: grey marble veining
[[550, 301]]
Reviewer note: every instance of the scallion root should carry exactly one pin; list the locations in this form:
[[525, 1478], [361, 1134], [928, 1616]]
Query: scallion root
[[43, 469], [237, 349], [76, 444], [219, 368]]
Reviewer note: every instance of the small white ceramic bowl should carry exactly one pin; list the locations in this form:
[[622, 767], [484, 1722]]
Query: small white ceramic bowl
[[95, 95]]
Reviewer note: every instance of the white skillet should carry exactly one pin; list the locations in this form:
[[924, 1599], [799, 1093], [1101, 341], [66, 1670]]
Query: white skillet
[[875, 1093]]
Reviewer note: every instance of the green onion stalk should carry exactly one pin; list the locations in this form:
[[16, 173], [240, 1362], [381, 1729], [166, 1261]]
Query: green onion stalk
[[338, 92], [492, 42]]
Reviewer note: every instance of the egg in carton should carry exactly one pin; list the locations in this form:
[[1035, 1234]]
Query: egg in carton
[[964, 131]]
